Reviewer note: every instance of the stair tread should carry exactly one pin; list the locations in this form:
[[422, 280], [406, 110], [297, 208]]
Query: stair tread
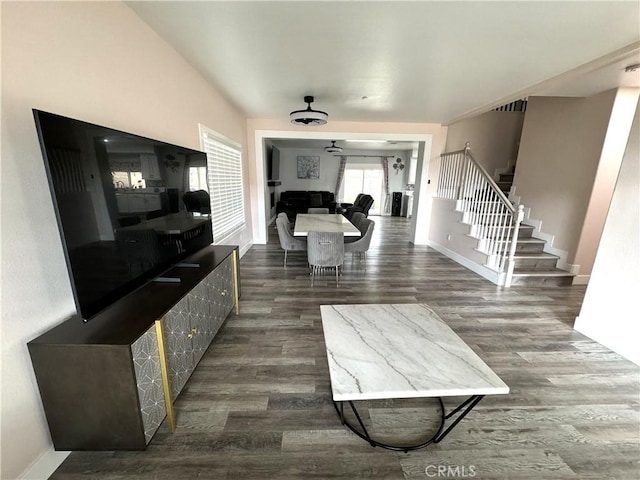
[[542, 273], [532, 255]]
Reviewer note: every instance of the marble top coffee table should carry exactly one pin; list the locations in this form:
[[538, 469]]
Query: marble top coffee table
[[401, 351]]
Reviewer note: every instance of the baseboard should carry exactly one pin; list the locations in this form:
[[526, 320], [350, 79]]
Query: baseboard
[[581, 279], [491, 275], [44, 467], [245, 248]]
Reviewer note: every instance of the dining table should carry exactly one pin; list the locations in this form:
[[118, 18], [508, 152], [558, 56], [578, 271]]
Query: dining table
[[324, 222]]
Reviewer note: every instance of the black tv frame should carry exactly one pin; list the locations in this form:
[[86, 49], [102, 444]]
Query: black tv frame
[[87, 312]]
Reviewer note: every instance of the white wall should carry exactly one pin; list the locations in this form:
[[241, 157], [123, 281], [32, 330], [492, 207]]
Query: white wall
[[494, 138], [98, 62], [329, 164], [559, 153], [450, 236], [609, 312], [611, 155], [289, 175]]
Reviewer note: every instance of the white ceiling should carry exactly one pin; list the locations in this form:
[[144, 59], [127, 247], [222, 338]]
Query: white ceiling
[[347, 145], [419, 61]]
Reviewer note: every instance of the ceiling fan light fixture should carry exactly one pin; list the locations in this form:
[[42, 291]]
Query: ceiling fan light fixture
[[333, 148], [308, 116]]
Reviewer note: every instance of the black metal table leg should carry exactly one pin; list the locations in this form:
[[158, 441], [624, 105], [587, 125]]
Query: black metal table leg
[[437, 437]]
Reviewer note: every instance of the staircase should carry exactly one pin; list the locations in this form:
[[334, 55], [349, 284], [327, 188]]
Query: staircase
[[533, 266], [497, 224]]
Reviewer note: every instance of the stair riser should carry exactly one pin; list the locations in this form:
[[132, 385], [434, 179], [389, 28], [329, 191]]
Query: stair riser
[[542, 281], [529, 247], [523, 233], [533, 263], [520, 247], [506, 177]]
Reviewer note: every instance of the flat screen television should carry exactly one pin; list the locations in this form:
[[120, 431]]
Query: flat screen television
[[121, 206]]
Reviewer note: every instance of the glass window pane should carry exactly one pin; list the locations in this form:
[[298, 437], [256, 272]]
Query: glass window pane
[[120, 179], [198, 178], [137, 180]]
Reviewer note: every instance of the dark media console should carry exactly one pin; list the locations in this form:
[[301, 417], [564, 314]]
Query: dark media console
[[108, 384]]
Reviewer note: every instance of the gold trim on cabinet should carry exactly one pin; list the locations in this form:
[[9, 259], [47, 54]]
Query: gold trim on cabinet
[[165, 375], [235, 282]]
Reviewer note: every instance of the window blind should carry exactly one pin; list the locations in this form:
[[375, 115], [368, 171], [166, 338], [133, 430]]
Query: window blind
[[224, 178]]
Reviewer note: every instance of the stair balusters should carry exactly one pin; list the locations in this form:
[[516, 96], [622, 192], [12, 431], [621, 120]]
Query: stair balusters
[[494, 220]]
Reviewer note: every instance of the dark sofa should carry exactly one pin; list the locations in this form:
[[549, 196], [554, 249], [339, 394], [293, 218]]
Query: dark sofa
[[293, 202]]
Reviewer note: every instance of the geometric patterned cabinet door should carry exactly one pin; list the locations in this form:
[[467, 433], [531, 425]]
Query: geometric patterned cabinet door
[[216, 301], [146, 363], [177, 331], [223, 292], [200, 300], [189, 327]]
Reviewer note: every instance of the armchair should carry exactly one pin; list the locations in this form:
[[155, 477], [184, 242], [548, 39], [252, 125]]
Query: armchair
[[362, 204], [341, 207]]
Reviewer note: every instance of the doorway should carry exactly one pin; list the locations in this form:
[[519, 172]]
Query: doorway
[[364, 178], [258, 188]]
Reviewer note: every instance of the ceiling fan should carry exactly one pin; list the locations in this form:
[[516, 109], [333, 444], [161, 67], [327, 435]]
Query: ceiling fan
[[308, 116], [333, 148]]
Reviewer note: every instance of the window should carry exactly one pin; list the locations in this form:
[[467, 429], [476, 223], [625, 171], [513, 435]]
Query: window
[[224, 178], [364, 178], [128, 179], [126, 171], [198, 179]]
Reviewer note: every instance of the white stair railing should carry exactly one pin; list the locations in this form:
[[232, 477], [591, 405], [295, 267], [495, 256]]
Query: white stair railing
[[494, 220]]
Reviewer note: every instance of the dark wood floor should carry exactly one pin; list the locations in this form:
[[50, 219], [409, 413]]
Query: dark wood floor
[[259, 405]]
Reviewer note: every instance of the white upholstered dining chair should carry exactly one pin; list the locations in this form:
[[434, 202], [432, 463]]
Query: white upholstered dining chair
[[361, 245], [287, 240], [325, 250]]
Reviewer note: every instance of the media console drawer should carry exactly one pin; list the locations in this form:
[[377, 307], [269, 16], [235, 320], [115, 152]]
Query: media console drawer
[[104, 384]]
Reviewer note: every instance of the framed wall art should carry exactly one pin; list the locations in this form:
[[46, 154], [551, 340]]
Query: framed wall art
[[309, 167]]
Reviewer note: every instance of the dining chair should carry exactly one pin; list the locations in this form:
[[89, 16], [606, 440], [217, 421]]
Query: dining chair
[[318, 210], [287, 240], [286, 220], [357, 218], [361, 245], [325, 250], [197, 201]]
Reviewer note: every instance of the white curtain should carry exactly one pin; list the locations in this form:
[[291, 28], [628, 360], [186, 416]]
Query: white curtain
[[385, 185], [343, 164]]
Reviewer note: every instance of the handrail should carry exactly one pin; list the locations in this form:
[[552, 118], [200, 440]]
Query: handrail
[[494, 220], [490, 180]]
